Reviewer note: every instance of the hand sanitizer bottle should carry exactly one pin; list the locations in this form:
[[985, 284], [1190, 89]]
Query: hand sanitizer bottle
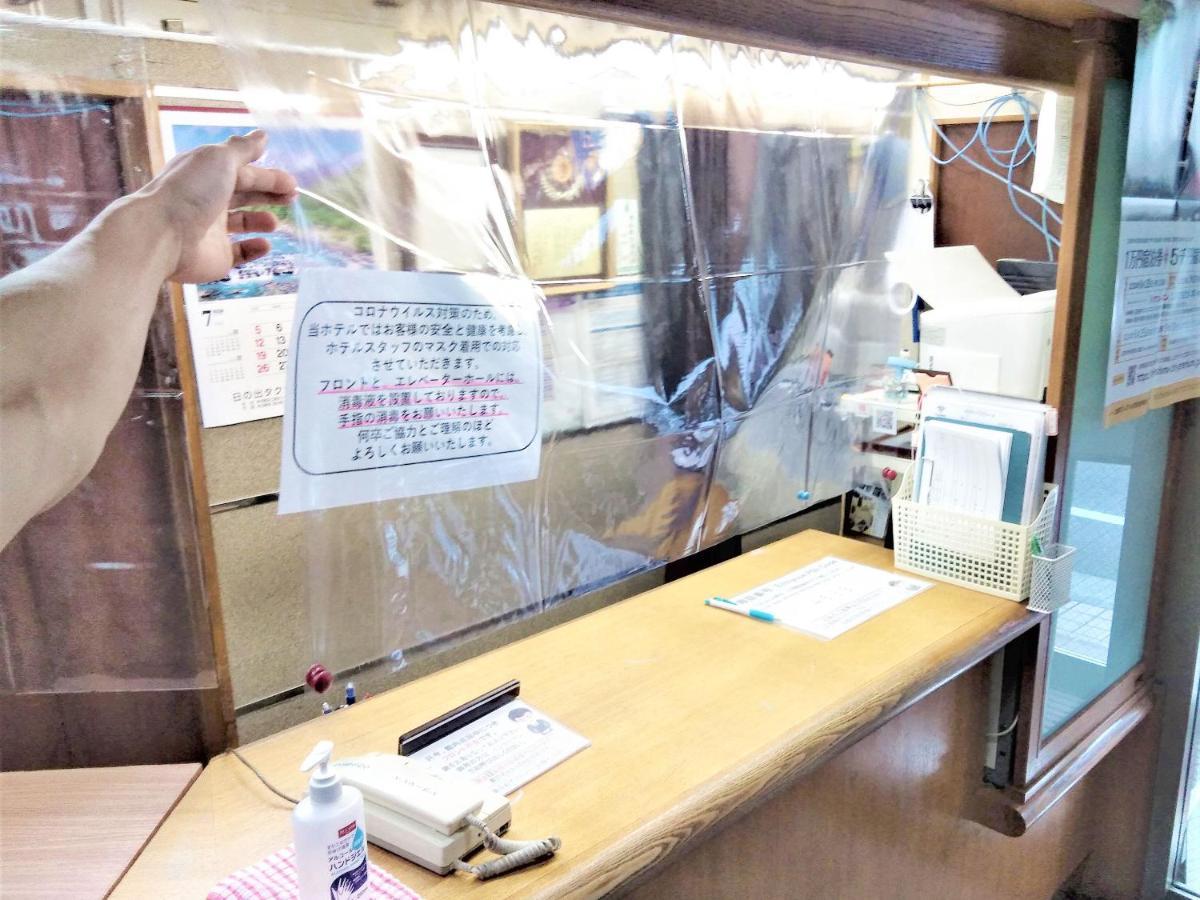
[[330, 834]]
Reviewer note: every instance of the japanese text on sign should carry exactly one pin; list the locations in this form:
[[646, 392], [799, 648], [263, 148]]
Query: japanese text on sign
[[381, 386], [1154, 353]]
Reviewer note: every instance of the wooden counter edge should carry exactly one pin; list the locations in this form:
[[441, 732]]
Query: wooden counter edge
[[623, 865], [1014, 811], [197, 768]]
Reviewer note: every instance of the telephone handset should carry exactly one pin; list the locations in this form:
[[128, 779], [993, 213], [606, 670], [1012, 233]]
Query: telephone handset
[[420, 813]]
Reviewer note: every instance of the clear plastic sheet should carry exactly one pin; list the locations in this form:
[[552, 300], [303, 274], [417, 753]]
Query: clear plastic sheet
[[706, 226], [103, 592]]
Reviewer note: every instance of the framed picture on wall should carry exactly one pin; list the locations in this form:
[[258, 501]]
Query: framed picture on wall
[[563, 189], [240, 325]]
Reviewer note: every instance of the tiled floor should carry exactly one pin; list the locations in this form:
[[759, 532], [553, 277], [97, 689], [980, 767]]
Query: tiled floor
[[1084, 630]]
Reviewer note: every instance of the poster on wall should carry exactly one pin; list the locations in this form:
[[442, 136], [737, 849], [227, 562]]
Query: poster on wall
[[240, 325], [1154, 344], [1154, 350], [403, 384]]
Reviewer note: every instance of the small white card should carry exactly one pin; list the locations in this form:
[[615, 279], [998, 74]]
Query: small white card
[[506, 749], [883, 420], [409, 383], [830, 596]]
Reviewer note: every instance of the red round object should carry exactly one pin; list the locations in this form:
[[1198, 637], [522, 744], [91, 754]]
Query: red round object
[[318, 678], [890, 474]]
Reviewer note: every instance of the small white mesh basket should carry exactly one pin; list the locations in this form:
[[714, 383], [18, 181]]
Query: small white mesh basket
[[984, 554], [1051, 584]]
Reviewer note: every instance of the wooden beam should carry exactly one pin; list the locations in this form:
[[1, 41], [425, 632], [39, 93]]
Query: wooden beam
[[1130, 9], [1100, 60], [949, 37], [220, 719]]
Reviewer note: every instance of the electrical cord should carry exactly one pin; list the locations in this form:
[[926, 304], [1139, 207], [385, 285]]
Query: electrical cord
[[999, 734], [270, 787], [1008, 159], [514, 854]]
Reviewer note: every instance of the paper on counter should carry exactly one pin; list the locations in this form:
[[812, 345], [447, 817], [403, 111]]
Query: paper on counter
[[950, 277], [831, 596], [506, 749], [409, 383]]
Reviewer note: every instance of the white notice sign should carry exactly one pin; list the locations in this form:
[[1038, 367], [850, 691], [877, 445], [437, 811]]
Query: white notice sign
[[830, 596], [1154, 350], [409, 383], [507, 748]]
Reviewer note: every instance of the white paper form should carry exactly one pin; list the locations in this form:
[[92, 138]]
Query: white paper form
[[409, 383], [964, 468], [1001, 412], [830, 596], [506, 749]]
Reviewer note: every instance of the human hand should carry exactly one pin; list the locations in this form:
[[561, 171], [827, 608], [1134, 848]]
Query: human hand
[[202, 193]]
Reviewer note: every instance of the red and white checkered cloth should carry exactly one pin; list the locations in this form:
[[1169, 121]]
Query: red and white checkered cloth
[[275, 879]]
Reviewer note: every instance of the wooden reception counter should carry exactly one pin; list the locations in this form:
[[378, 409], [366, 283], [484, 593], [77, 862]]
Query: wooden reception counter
[[696, 717]]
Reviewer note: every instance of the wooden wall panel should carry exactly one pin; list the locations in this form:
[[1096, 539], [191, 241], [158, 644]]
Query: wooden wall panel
[[887, 818], [107, 728], [104, 620], [970, 207]]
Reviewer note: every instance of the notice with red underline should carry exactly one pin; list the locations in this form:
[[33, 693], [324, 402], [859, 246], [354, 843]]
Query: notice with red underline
[[409, 383]]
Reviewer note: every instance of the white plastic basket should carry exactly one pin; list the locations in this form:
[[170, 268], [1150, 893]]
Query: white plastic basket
[[984, 554]]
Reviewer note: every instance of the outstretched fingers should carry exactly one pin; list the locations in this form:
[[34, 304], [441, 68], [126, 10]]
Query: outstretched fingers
[[248, 147], [250, 249], [245, 221], [258, 185]]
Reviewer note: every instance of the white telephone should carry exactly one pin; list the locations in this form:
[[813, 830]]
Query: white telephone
[[420, 813]]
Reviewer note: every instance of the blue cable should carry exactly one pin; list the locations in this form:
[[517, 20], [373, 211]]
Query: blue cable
[[47, 113], [1008, 159]]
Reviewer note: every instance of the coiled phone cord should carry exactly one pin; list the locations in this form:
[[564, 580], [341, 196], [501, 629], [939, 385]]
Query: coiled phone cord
[[514, 854]]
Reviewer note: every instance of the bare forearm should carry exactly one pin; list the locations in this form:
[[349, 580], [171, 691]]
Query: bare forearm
[[73, 325], [72, 328]]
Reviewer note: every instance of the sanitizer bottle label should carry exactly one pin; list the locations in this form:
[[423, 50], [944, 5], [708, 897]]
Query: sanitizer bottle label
[[348, 863]]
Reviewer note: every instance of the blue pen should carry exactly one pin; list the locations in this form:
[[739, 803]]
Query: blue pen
[[722, 603]]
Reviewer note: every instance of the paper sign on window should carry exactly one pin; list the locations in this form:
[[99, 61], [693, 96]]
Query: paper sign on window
[[406, 383]]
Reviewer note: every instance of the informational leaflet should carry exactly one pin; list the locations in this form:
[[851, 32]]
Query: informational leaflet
[[830, 596], [506, 749], [409, 383], [1154, 351], [614, 336]]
